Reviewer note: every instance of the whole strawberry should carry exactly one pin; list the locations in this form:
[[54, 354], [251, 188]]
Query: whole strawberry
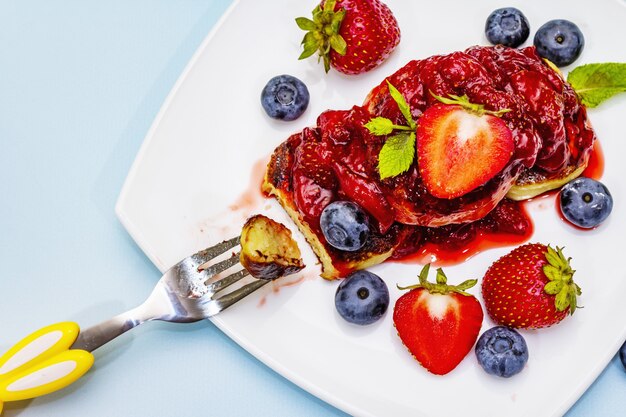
[[352, 36], [531, 287], [437, 322]]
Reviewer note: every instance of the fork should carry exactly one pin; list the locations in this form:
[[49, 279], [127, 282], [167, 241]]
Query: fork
[[57, 355]]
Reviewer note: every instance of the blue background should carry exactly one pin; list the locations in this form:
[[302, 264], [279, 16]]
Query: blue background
[[80, 84]]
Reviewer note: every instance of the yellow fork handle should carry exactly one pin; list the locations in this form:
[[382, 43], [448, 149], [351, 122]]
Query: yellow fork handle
[[42, 363]]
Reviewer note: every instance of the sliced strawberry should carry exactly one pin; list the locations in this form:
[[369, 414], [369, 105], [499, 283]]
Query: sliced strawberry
[[367, 194], [310, 197], [438, 323], [460, 148], [312, 165]]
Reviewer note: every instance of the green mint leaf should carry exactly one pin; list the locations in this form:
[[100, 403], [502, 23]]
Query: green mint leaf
[[396, 155], [595, 83], [379, 126], [402, 104]]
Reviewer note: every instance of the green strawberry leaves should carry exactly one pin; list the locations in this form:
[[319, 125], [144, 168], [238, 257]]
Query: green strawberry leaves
[[595, 83], [323, 33], [463, 101], [441, 286], [561, 283], [398, 152]]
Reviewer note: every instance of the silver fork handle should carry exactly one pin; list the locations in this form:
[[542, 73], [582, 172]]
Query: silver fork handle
[[95, 336]]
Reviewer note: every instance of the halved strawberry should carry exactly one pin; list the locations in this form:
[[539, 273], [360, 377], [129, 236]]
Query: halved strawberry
[[438, 323], [460, 146]]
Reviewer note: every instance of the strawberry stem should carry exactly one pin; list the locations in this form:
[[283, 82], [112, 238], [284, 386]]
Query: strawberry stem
[[441, 285], [561, 280], [463, 101], [323, 33]]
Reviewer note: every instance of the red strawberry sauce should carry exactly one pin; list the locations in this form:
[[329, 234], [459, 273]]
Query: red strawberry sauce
[[338, 158]]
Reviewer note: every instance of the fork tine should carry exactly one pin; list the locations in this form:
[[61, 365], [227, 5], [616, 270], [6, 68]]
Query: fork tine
[[231, 298], [220, 284], [219, 267], [207, 254]]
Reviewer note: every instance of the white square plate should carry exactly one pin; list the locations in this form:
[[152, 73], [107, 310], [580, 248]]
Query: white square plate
[[197, 175]]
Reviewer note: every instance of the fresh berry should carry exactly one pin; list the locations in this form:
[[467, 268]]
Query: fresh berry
[[585, 202], [362, 298], [460, 146], [507, 26], [622, 355], [437, 322], [285, 97], [501, 351], [559, 41], [352, 36], [345, 225], [530, 287]]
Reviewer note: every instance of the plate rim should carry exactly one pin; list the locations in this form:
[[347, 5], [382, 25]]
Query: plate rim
[[276, 366]]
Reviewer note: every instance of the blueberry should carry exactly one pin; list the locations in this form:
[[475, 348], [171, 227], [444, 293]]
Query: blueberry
[[501, 351], [622, 354], [585, 202], [559, 41], [507, 26], [345, 225], [285, 97], [362, 298]]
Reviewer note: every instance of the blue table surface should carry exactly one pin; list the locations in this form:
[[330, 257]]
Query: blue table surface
[[80, 84]]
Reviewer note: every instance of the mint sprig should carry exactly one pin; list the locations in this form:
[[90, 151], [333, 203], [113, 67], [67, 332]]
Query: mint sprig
[[396, 155], [595, 83], [398, 152]]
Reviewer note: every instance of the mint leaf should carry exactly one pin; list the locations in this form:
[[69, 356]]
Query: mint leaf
[[396, 155], [595, 83], [379, 126], [402, 104]]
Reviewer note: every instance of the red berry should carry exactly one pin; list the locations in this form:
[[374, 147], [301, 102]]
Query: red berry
[[531, 287], [438, 323], [352, 36], [459, 149]]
